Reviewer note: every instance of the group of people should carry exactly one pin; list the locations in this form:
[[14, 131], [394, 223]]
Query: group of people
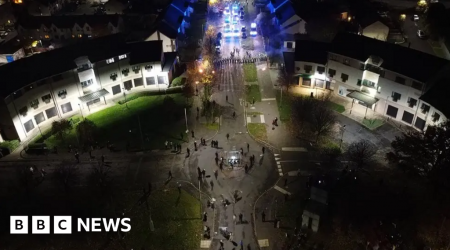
[[173, 146], [233, 60]]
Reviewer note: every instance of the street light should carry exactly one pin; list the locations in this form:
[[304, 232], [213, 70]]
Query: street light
[[342, 136], [201, 71], [79, 105], [125, 96]]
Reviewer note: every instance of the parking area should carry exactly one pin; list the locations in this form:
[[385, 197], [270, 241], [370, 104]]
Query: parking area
[[413, 41]]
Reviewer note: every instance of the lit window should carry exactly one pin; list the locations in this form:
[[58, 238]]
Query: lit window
[[80, 36], [122, 57], [111, 60], [87, 83], [73, 36], [47, 36]]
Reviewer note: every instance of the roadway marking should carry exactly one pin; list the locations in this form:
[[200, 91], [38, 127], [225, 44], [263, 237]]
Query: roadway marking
[[277, 155], [263, 243], [281, 174], [279, 166], [268, 99], [249, 119], [252, 108], [282, 190], [205, 243], [276, 158], [294, 149], [262, 119]]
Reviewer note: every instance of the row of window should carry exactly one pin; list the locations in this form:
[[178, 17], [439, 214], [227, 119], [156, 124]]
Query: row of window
[[55, 29], [51, 112]]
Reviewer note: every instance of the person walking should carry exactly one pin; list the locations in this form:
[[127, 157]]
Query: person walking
[[199, 171], [195, 145], [179, 188], [263, 215], [192, 132], [234, 219], [241, 216], [204, 173], [226, 98], [170, 175], [216, 174], [221, 166], [263, 150], [234, 114], [242, 151], [248, 147], [188, 151], [221, 244], [246, 168], [205, 216], [77, 156], [228, 136]]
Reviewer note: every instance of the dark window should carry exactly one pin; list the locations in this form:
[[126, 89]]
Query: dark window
[[46, 98], [425, 108], [128, 85], [62, 93], [148, 67], [116, 89], [289, 45], [138, 82], [113, 76], [161, 79], [50, 112], [136, 69], [306, 82], [368, 83], [400, 80], [420, 123], [34, 103], [396, 96], [150, 80], [307, 68], [29, 125], [17, 94], [89, 103], [39, 118], [126, 71], [331, 72], [28, 88], [87, 83], [344, 77], [407, 117], [412, 102], [66, 107], [320, 69], [57, 78], [417, 85], [392, 111], [436, 117], [358, 83], [23, 111]]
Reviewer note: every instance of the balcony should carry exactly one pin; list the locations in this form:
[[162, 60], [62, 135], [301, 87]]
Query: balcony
[[372, 68], [369, 84], [84, 67]]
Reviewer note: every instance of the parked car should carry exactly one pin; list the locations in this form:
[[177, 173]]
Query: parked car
[[4, 152], [219, 36], [421, 34], [37, 149], [244, 35], [253, 29], [415, 18], [243, 29]]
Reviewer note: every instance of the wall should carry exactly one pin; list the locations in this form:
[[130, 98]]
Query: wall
[[376, 30], [169, 45], [299, 28]]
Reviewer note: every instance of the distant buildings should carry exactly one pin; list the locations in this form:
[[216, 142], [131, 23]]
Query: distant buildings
[[87, 77], [387, 79]]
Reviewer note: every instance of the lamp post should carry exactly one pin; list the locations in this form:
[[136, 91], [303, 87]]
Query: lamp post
[[342, 136], [196, 88], [81, 111], [125, 96], [185, 117]]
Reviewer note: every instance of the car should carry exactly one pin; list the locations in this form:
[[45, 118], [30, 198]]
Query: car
[[227, 30], [236, 32], [227, 10], [253, 29], [242, 18], [244, 35], [421, 34], [415, 18], [219, 36], [243, 29], [227, 19], [235, 20], [4, 151]]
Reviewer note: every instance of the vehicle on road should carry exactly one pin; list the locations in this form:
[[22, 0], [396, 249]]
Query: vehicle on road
[[227, 10], [244, 35], [227, 19], [236, 31], [219, 36], [253, 29], [227, 30], [243, 29], [415, 18], [421, 34], [37, 149]]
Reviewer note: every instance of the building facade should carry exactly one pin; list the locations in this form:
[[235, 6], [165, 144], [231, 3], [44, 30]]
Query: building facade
[[86, 81], [375, 76]]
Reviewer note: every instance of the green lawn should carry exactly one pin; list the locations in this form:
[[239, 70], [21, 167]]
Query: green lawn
[[253, 92], [212, 126], [11, 145], [176, 219], [284, 107], [258, 130], [250, 72], [161, 119], [336, 107], [372, 124]]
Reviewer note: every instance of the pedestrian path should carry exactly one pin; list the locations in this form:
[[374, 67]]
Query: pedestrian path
[[294, 149]]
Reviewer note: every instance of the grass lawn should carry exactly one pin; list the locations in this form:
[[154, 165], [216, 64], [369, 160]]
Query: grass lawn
[[254, 113], [336, 107], [160, 119], [252, 92], [11, 145], [250, 72], [372, 124], [176, 218], [284, 107], [212, 126], [258, 130]]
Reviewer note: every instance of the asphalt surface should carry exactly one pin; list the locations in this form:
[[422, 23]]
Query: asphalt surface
[[410, 29]]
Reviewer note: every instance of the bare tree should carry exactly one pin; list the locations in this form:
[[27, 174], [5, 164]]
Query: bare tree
[[284, 78], [322, 119], [67, 175], [361, 152], [301, 112]]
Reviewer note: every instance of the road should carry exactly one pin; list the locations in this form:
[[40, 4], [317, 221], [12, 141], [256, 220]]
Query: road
[[410, 29]]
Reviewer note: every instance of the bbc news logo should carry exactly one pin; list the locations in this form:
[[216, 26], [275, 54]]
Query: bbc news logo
[[63, 225]]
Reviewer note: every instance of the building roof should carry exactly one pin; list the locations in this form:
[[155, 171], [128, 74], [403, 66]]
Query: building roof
[[436, 91], [182, 5], [364, 12], [20, 73], [66, 22], [311, 51], [284, 12], [167, 29], [408, 62], [278, 3], [169, 60]]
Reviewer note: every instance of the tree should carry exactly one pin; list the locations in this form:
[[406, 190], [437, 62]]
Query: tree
[[86, 130], [67, 175], [284, 78], [301, 113], [60, 128], [188, 90], [322, 119], [425, 154], [436, 20], [361, 152]]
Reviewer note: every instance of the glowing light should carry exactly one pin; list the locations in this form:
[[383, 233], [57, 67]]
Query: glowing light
[[253, 25], [402, 17], [34, 44], [200, 70], [196, 82], [213, 72], [349, 18]]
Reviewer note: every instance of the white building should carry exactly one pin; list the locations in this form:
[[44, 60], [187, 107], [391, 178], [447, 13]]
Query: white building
[[87, 76], [385, 78]]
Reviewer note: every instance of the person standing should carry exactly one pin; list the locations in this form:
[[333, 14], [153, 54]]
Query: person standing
[[192, 132], [234, 219], [248, 147], [170, 175], [216, 174], [226, 98], [263, 150], [179, 188], [241, 216], [228, 136], [188, 151], [246, 168], [195, 145], [204, 173]]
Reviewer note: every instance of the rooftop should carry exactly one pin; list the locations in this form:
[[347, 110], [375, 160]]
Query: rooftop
[[311, 51], [20, 73], [35, 22]]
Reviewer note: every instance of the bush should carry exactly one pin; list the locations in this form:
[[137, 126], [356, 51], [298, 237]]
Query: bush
[[331, 151], [11, 145], [179, 81], [149, 93]]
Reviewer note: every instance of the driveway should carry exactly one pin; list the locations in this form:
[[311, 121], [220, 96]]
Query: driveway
[[410, 31]]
